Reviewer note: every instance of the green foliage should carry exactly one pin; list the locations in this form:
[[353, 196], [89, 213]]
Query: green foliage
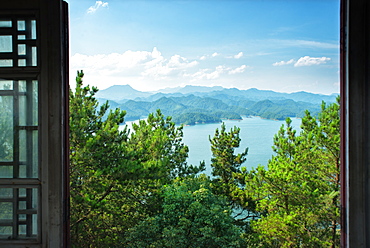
[[192, 216], [156, 145], [195, 118], [226, 170], [224, 162], [298, 194], [137, 190], [98, 164], [116, 177], [282, 109]]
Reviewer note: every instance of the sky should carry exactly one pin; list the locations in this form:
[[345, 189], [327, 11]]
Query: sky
[[280, 45]]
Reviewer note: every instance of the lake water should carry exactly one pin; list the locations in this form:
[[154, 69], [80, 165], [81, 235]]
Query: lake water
[[255, 133]]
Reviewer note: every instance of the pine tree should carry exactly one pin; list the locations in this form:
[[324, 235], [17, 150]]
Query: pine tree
[[298, 193]]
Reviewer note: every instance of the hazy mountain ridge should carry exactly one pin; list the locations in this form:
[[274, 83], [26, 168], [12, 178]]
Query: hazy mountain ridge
[[212, 104]]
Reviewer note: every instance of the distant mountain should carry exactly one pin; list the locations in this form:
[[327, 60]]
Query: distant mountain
[[311, 97], [254, 94], [199, 104], [121, 92], [188, 89], [157, 96], [192, 109], [186, 107]]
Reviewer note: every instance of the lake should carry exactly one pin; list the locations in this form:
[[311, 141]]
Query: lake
[[255, 133]]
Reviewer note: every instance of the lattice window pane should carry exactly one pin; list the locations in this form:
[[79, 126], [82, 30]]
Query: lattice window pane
[[5, 24], [6, 84], [6, 44], [6, 63], [33, 29], [19, 213], [19, 129], [21, 25], [21, 49], [6, 130], [18, 46], [34, 56]]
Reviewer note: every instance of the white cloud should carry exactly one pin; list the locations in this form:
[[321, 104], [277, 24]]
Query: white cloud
[[238, 70], [303, 61], [306, 43], [208, 74], [204, 57], [239, 55], [148, 69], [316, 44], [308, 61], [115, 62], [175, 65], [134, 63], [284, 62], [98, 4]]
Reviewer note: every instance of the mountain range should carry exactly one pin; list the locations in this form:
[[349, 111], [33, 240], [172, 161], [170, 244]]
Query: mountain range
[[198, 104]]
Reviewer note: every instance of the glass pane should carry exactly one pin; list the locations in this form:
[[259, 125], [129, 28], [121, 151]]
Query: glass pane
[[5, 24], [35, 103], [6, 211], [22, 192], [35, 160], [22, 171], [22, 205], [34, 198], [6, 171], [21, 37], [22, 229], [6, 63], [22, 110], [33, 29], [34, 226], [22, 86], [21, 49], [6, 84], [28, 154], [6, 128], [34, 56], [6, 232], [6, 45], [22, 145], [21, 25], [6, 193], [21, 62]]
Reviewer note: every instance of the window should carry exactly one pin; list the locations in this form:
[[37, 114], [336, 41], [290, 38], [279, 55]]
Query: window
[[33, 124], [19, 159]]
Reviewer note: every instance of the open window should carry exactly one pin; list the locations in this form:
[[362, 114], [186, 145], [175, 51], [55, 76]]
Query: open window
[[34, 123]]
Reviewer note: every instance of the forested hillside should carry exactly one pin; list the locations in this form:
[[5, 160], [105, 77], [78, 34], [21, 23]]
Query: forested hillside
[[192, 109], [194, 104], [135, 188]]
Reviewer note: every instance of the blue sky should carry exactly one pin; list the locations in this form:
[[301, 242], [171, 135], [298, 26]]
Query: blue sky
[[281, 45]]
